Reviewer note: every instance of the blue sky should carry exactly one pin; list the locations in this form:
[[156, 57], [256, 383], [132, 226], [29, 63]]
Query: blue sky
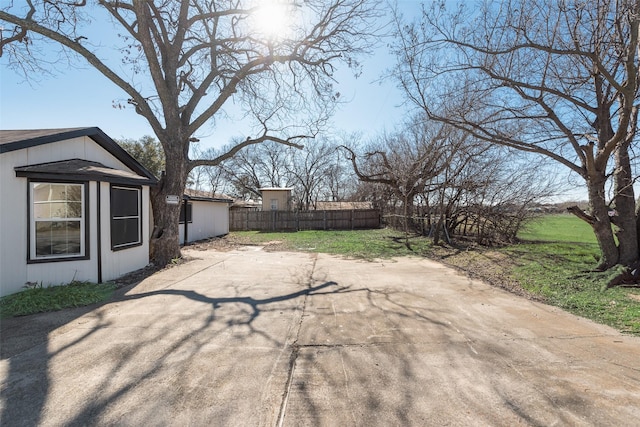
[[80, 96]]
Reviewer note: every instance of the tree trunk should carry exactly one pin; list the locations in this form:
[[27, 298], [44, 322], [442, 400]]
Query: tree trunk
[[165, 239], [408, 212], [625, 218], [638, 225], [601, 222]]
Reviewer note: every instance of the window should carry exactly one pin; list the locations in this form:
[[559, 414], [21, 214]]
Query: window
[[274, 204], [188, 210], [57, 220], [126, 220]]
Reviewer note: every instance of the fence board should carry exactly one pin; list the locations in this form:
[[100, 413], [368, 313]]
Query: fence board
[[306, 220]]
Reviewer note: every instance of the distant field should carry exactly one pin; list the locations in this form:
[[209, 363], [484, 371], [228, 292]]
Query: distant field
[[558, 228]]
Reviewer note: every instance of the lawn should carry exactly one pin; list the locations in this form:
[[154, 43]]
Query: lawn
[[555, 261], [558, 228], [363, 244]]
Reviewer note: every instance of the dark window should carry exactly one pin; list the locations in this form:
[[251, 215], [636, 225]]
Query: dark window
[[57, 220], [189, 212], [126, 218]]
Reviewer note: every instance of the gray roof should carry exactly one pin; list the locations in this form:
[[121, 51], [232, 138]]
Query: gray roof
[[82, 170], [12, 136], [205, 196], [12, 140]]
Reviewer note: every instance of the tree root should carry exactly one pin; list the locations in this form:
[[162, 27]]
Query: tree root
[[626, 276]]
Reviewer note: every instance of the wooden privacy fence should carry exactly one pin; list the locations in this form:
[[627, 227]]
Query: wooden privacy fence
[[307, 220]]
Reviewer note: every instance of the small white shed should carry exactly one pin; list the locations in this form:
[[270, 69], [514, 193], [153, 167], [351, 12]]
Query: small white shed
[[276, 198], [203, 216], [74, 205]]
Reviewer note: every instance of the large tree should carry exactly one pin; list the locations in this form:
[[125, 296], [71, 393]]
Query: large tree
[[180, 62], [556, 78]]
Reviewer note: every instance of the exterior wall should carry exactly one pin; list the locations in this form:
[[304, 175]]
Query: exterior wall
[[13, 242], [283, 197], [14, 222], [209, 219]]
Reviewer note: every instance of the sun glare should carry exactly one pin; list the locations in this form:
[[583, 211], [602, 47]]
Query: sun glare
[[272, 18]]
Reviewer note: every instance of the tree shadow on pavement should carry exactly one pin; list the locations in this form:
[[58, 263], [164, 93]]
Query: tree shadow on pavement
[[253, 303], [26, 387]]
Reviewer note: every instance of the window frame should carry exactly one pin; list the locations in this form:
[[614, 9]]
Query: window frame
[[186, 211], [32, 257], [139, 241]]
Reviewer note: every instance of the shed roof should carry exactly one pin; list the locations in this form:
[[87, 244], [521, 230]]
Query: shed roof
[[205, 196], [12, 140]]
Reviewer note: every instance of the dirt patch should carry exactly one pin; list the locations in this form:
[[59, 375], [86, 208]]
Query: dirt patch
[[135, 276], [482, 263], [224, 244]]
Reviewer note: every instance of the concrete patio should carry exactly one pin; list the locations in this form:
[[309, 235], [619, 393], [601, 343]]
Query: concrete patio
[[255, 338]]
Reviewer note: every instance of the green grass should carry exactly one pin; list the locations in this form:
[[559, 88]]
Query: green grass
[[558, 228], [556, 261], [43, 299], [364, 244]]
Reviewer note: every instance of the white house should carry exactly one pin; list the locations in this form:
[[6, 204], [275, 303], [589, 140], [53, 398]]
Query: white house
[[203, 216], [74, 205]]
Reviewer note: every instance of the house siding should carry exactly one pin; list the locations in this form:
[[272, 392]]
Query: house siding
[[209, 219], [13, 223], [15, 272]]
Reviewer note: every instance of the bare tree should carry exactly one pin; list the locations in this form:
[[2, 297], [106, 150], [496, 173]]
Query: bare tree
[[180, 62], [556, 78], [315, 171], [263, 165], [491, 199], [310, 170], [406, 161], [445, 181]]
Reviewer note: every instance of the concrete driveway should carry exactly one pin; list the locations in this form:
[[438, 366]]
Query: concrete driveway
[[255, 338]]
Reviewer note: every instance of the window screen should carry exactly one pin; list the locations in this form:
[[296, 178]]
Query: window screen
[[125, 217]]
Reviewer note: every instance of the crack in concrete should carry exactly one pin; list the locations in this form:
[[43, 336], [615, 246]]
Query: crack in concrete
[[295, 351]]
